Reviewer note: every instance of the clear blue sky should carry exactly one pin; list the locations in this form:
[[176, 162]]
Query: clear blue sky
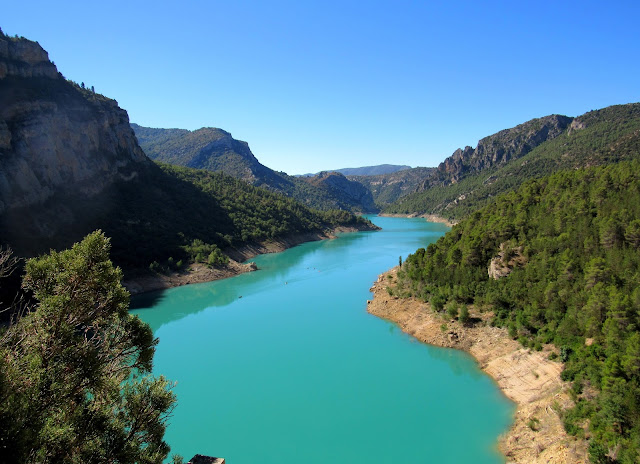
[[331, 84]]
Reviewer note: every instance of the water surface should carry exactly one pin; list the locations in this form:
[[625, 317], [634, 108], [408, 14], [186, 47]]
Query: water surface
[[284, 365]]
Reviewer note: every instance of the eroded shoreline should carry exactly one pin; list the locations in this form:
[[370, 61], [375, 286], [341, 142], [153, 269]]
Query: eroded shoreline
[[427, 217], [199, 273], [526, 377]]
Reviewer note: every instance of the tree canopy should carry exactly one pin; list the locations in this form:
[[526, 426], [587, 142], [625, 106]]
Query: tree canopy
[[569, 245], [75, 382]]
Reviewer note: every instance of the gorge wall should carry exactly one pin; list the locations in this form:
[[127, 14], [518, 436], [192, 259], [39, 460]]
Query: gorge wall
[[58, 142]]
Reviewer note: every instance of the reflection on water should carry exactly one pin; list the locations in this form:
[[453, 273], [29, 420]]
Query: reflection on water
[[296, 371]]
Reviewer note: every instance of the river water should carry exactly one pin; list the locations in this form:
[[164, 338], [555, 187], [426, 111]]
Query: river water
[[285, 366]]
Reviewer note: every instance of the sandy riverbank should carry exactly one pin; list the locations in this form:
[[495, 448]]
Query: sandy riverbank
[[527, 377], [428, 217], [199, 273]]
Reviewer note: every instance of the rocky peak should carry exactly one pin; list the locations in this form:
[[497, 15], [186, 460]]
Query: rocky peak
[[499, 148], [24, 58], [56, 137]]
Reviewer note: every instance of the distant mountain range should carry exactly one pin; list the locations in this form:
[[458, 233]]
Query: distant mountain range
[[71, 164], [216, 150], [470, 178], [367, 170], [462, 182], [71, 160], [389, 188]]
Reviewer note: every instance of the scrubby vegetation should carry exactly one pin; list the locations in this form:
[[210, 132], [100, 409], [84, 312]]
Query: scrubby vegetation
[[573, 241], [215, 150], [599, 137]]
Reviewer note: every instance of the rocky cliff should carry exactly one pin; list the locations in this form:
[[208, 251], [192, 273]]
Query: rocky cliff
[[499, 148], [57, 140]]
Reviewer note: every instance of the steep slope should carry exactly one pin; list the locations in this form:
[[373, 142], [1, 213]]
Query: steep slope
[[72, 164], [351, 194], [567, 248], [206, 148], [597, 137], [216, 150], [498, 149], [57, 141], [160, 215], [388, 188]]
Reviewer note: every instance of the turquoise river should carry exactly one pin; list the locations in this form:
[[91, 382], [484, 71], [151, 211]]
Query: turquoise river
[[285, 365]]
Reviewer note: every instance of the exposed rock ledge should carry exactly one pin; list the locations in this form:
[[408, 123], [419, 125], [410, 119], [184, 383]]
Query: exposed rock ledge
[[527, 377], [428, 217], [198, 273]]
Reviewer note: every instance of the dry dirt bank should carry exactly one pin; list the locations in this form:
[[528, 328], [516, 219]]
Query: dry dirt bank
[[527, 377], [198, 273], [428, 217]]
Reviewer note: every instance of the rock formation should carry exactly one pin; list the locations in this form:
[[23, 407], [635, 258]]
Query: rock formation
[[498, 149], [57, 139]]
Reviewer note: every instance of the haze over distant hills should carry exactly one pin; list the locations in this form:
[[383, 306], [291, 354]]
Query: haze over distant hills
[[366, 170]]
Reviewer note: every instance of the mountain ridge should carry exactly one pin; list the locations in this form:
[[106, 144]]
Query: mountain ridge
[[378, 169], [72, 164], [216, 150], [602, 136]]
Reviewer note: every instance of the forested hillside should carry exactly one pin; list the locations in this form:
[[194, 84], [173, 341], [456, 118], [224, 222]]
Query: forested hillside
[[388, 188], [558, 261], [161, 213], [216, 150], [72, 164], [597, 137]]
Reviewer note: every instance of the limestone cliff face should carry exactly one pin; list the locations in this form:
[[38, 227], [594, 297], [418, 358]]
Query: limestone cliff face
[[55, 137], [23, 58], [499, 148]]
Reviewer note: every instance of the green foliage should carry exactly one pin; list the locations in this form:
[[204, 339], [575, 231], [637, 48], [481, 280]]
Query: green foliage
[[168, 209], [580, 278], [200, 252], [215, 150], [608, 135], [75, 383], [452, 309], [463, 317]]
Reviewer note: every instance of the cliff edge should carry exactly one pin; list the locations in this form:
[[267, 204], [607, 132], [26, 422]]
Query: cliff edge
[[58, 141]]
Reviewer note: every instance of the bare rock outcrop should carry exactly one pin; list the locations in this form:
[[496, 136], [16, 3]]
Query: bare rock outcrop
[[506, 261], [57, 139], [24, 58], [497, 149]]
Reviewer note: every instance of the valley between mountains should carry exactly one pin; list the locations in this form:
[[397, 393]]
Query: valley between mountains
[[543, 249]]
